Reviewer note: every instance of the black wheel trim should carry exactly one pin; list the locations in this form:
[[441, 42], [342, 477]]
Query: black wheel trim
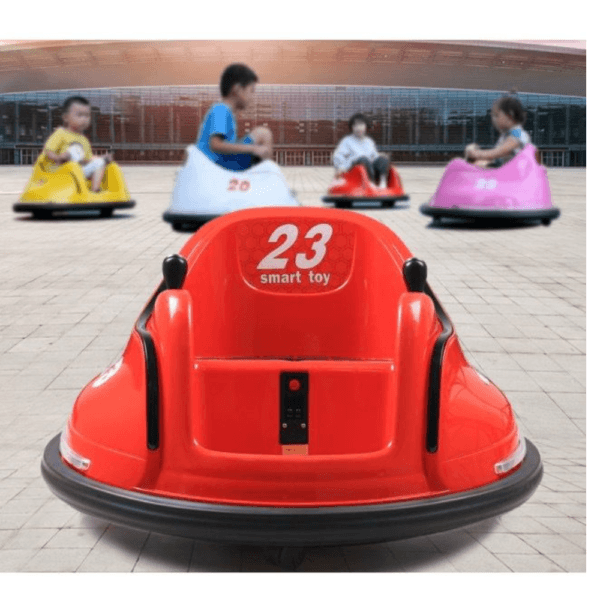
[[369, 199], [70, 207], [435, 373], [188, 218], [471, 213], [151, 369], [266, 526]]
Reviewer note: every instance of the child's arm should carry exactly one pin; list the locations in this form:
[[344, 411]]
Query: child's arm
[[341, 157], [57, 158], [51, 147], [373, 154], [504, 149], [220, 146]]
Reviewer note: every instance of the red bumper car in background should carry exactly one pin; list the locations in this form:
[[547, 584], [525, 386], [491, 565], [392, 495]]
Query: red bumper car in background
[[355, 186]]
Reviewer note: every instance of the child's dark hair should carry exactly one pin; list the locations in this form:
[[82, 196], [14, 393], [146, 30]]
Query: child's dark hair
[[236, 73], [512, 106], [357, 117], [74, 100]]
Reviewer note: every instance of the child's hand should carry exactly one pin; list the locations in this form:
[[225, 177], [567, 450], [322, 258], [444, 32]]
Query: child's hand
[[108, 158], [262, 151], [471, 148], [470, 151]]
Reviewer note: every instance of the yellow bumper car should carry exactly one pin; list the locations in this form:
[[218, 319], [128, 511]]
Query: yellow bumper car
[[65, 189]]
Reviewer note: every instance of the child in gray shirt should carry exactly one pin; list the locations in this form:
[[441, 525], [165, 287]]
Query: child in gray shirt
[[359, 149]]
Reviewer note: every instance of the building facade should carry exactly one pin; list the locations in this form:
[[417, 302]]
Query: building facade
[[155, 124], [426, 99]]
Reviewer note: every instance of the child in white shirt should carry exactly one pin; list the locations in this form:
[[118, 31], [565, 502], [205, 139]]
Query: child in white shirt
[[359, 149]]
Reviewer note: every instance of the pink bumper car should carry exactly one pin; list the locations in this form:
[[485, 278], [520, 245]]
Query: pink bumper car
[[517, 191]]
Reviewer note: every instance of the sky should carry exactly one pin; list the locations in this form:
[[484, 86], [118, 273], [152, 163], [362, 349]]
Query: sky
[[579, 44]]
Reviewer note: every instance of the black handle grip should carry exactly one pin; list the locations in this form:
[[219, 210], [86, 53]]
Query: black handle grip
[[174, 271], [415, 274]]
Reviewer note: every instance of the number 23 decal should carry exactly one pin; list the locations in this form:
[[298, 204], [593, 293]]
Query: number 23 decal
[[322, 232]]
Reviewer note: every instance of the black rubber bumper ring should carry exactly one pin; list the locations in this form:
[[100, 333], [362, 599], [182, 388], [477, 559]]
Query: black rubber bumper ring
[[369, 199], [266, 526], [471, 213], [70, 206]]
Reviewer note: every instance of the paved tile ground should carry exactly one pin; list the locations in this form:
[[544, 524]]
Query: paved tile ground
[[71, 289]]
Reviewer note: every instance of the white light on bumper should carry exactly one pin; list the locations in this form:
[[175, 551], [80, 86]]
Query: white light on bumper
[[78, 461], [513, 460], [106, 375]]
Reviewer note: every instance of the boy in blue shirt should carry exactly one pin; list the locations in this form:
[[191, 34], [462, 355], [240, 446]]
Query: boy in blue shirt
[[218, 135]]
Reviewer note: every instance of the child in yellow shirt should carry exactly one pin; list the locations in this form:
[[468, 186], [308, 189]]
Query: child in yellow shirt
[[68, 142]]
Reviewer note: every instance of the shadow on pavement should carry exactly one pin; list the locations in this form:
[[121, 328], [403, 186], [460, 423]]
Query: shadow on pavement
[[171, 553]]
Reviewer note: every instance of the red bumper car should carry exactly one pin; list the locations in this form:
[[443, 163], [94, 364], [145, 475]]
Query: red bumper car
[[355, 186], [293, 382]]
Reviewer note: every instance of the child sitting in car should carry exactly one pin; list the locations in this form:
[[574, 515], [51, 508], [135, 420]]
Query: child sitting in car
[[68, 143], [359, 149], [218, 134], [508, 117]]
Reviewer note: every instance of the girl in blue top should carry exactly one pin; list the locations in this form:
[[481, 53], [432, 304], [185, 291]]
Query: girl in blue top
[[508, 117], [218, 134]]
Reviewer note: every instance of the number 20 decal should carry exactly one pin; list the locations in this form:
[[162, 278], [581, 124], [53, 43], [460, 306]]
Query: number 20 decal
[[272, 260], [235, 185]]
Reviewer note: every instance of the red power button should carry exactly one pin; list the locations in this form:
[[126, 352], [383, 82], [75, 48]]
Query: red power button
[[294, 385]]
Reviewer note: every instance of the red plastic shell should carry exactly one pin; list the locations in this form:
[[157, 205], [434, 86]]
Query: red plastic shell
[[223, 340], [355, 183]]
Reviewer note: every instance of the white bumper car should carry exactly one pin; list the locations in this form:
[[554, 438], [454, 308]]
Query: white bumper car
[[204, 190]]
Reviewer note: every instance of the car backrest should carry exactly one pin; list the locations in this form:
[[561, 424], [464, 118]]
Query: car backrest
[[295, 283]]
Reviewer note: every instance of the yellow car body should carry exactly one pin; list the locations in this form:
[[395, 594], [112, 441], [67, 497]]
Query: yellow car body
[[66, 188]]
